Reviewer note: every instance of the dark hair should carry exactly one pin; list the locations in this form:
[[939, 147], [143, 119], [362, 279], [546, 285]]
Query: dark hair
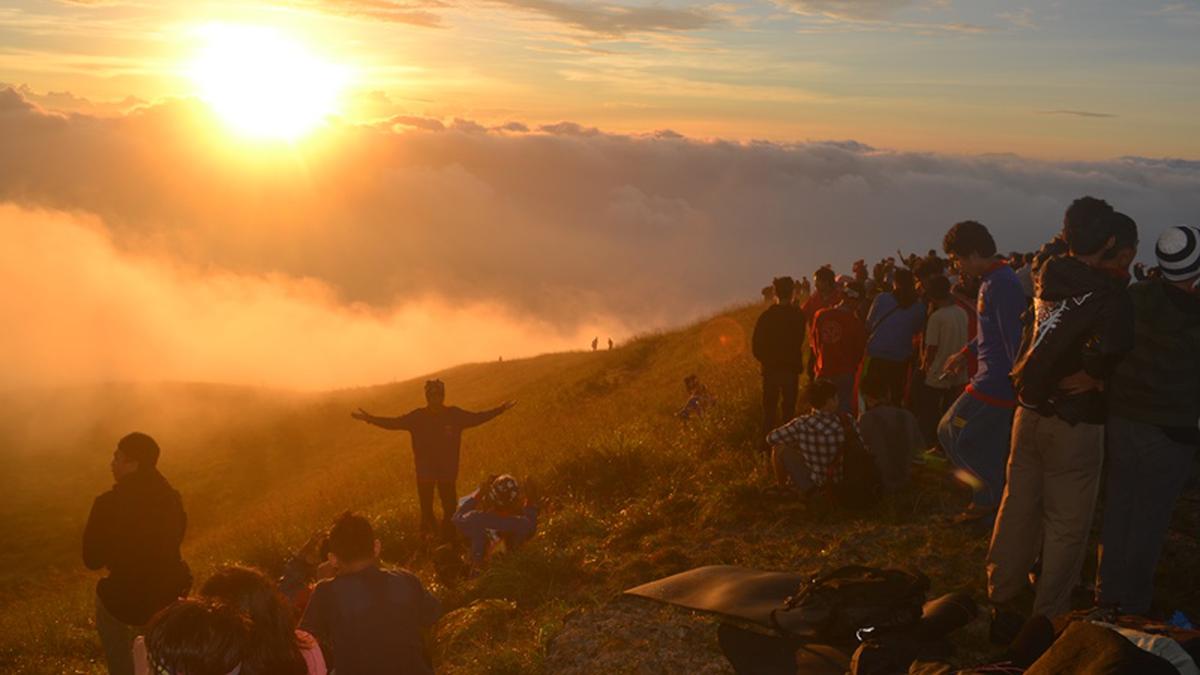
[[938, 288], [784, 288], [273, 647], [1124, 229], [140, 448], [820, 392], [928, 267], [196, 637], [873, 386], [352, 538], [1086, 227], [825, 274], [969, 238], [904, 288]]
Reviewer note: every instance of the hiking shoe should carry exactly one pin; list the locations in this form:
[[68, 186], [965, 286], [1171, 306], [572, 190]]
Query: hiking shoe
[[973, 515], [1006, 625]]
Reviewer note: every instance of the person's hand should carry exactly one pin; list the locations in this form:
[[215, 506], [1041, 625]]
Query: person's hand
[[507, 405], [361, 414], [1080, 383], [955, 364]]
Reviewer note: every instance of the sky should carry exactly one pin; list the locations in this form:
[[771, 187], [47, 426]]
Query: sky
[[502, 179]]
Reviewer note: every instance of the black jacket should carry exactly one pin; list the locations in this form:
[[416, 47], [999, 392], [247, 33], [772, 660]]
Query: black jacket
[[1082, 320], [778, 341], [1159, 382], [135, 530]]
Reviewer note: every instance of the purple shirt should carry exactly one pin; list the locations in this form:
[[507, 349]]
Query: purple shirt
[[1002, 301]]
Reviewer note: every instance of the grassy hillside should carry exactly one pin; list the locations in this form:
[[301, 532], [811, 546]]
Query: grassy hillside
[[633, 492]]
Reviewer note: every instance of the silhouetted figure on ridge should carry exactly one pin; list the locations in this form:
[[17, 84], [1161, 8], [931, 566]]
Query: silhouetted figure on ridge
[[778, 344], [436, 440], [595, 343], [134, 530], [610, 343]]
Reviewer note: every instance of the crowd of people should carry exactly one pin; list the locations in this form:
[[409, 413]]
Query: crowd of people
[[1028, 372]]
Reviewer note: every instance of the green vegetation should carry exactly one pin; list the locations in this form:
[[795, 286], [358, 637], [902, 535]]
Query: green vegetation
[[633, 493]]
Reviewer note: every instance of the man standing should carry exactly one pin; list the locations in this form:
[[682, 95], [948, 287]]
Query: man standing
[[975, 431], [135, 531], [1152, 432], [436, 441], [945, 335], [1083, 326], [778, 344], [838, 341], [827, 295]]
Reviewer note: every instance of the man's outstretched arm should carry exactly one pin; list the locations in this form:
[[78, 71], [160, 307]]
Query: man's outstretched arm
[[474, 419], [394, 423]]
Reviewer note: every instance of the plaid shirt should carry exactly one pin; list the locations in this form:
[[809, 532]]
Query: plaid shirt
[[818, 437]]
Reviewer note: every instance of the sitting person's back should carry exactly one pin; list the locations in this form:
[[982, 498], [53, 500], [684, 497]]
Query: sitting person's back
[[369, 620], [890, 433]]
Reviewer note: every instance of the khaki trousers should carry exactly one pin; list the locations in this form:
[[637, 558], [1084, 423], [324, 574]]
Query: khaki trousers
[[1049, 499]]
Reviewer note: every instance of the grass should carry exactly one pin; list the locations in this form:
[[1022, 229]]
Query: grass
[[633, 493]]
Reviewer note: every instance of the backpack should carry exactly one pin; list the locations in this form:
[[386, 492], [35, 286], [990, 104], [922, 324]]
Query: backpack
[[861, 486], [849, 604]]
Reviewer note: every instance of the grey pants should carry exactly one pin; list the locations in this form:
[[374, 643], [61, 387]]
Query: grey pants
[[1049, 499], [1146, 473], [117, 640]]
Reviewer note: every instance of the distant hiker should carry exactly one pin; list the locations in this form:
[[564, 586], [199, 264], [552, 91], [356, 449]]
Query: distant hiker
[[1083, 326], [975, 431], [699, 398], [595, 343], [610, 344], [1152, 429], [895, 318], [778, 344], [498, 514], [807, 451], [196, 637], [945, 335], [369, 621], [274, 646], [838, 340], [436, 442], [889, 432], [135, 531], [828, 294]]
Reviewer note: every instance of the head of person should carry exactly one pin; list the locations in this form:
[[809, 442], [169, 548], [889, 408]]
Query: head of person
[[853, 293], [435, 393], [135, 451], [825, 280], [1125, 243], [352, 541], [501, 494], [822, 395], [938, 290], [1089, 230], [691, 382], [784, 287], [1178, 253], [197, 637], [873, 389], [904, 287], [273, 646], [970, 248]]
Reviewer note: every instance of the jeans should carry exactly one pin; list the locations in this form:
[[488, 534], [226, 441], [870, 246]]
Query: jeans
[[779, 387], [1053, 481], [930, 405], [976, 435], [117, 640], [1146, 473], [847, 396], [792, 464]]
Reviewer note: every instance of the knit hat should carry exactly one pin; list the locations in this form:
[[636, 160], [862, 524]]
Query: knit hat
[[503, 491], [435, 386], [1178, 252]]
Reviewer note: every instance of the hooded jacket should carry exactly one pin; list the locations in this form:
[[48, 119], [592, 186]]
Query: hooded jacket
[[135, 530], [1082, 320], [1159, 382]]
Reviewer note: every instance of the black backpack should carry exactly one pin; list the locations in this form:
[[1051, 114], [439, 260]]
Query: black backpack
[[850, 604], [861, 486]]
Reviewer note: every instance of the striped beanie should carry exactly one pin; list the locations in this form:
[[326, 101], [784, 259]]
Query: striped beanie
[[1178, 252]]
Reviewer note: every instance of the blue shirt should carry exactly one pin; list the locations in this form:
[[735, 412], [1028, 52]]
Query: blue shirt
[[479, 527], [997, 345], [892, 328]]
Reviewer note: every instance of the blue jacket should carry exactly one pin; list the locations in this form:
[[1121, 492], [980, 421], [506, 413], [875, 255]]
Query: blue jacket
[[482, 527]]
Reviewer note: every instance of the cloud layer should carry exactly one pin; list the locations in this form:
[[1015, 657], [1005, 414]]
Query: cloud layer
[[423, 243]]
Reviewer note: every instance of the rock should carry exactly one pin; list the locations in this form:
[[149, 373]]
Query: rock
[[481, 619], [631, 635]]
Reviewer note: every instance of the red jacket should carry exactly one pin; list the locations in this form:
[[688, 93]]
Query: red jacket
[[839, 340]]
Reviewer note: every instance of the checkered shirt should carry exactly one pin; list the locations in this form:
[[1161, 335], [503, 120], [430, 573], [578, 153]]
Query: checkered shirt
[[818, 437]]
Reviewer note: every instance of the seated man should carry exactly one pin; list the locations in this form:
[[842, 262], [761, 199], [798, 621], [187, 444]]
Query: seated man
[[698, 398], [367, 619], [497, 513], [890, 433], [808, 450]]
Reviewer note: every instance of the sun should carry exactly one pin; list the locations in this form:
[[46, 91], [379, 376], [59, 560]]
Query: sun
[[264, 83]]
